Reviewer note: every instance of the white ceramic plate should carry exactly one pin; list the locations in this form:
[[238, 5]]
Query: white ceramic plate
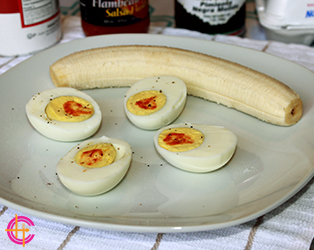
[[271, 163]]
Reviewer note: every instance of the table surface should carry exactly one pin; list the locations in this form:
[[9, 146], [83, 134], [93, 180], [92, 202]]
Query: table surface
[[290, 226]]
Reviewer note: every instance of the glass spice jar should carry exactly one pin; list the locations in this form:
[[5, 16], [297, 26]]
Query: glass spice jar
[[211, 16]]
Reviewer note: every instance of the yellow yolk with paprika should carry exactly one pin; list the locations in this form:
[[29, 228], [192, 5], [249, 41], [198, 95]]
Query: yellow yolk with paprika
[[95, 166], [96, 156], [155, 102], [198, 148], [146, 102], [180, 139], [64, 114], [69, 109]]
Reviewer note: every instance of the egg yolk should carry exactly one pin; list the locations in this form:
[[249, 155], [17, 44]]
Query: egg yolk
[[69, 109], [96, 156], [180, 139], [146, 102]]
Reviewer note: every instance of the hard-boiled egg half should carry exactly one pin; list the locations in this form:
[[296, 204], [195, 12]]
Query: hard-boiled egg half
[[95, 166], [195, 147], [154, 102], [64, 114]]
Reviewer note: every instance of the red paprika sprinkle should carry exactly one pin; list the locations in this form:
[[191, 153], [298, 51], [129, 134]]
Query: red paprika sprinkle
[[76, 109], [90, 157], [178, 138], [147, 103]]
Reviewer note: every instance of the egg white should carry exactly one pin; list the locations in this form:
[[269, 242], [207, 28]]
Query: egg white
[[175, 91], [216, 150], [58, 130], [94, 181]]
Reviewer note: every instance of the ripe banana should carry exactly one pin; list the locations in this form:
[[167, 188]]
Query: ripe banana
[[207, 77]]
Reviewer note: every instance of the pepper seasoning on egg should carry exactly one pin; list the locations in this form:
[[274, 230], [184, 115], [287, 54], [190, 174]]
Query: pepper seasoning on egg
[[64, 114], [95, 166], [197, 148], [154, 102]]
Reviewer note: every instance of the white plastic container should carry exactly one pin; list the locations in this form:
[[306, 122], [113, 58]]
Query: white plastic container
[[28, 26], [289, 21]]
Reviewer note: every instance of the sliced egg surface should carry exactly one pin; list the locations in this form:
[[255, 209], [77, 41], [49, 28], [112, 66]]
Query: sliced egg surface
[[64, 114], [195, 148], [155, 102], [95, 166]]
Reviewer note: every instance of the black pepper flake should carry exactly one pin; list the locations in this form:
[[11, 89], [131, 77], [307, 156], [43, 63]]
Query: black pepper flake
[[160, 91], [12, 108], [147, 165], [49, 184], [78, 147]]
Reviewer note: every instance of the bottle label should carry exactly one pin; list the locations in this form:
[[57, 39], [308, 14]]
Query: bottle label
[[213, 12], [113, 12], [27, 26], [35, 12]]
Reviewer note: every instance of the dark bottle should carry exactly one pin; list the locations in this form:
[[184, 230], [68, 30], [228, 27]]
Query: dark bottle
[[114, 16], [211, 16]]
